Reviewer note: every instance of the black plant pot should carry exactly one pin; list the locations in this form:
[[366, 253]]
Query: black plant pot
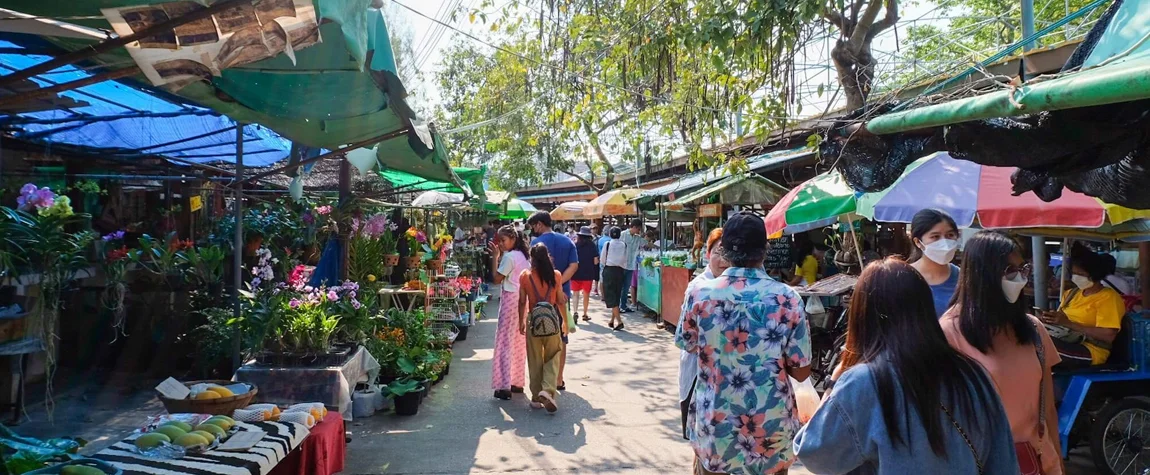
[[426, 387], [463, 329], [408, 404]]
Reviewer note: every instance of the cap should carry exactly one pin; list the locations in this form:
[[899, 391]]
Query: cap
[[585, 231], [744, 232]]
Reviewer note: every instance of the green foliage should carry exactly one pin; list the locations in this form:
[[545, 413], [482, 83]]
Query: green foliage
[[401, 387], [161, 258], [586, 82], [205, 263]]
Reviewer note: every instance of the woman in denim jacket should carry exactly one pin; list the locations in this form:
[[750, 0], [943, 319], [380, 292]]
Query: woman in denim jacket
[[906, 402]]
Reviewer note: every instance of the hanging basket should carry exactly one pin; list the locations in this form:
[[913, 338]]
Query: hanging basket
[[411, 262], [435, 265], [390, 260]]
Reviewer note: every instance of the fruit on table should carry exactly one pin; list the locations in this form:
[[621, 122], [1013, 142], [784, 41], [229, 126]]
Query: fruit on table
[[209, 394], [80, 470], [190, 440], [216, 431], [182, 425], [222, 391], [208, 436], [151, 440], [224, 422], [172, 432]]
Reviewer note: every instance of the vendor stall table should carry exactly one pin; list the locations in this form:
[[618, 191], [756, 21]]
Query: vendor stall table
[[673, 282], [20, 349], [281, 438], [829, 287], [391, 297], [331, 385], [322, 453], [650, 285]]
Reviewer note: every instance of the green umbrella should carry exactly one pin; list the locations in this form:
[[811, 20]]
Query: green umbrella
[[518, 209]]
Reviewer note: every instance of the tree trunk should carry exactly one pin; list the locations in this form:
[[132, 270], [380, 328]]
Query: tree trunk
[[855, 72]]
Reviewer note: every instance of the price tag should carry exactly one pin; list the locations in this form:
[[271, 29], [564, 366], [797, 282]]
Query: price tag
[[242, 440], [195, 203], [173, 389]]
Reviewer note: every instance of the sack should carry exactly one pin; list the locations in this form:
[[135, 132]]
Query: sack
[[815, 305], [543, 320], [807, 399]]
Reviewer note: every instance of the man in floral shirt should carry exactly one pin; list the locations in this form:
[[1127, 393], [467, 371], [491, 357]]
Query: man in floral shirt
[[749, 332]]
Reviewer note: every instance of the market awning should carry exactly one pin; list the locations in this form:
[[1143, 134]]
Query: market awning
[[123, 121], [403, 181], [742, 189], [562, 196], [1117, 70], [758, 164], [342, 90]]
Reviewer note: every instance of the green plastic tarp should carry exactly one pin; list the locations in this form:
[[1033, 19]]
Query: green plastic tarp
[[1117, 70], [742, 189], [409, 182], [342, 90]]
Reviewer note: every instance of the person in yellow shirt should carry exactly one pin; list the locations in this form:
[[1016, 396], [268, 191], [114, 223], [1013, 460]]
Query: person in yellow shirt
[[807, 267], [1091, 309]]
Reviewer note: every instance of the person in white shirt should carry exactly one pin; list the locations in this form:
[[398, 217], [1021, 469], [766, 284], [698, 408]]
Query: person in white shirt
[[689, 362], [614, 262]]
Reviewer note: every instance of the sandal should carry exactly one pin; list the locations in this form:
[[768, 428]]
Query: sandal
[[503, 394], [548, 402], [586, 318], [516, 390]]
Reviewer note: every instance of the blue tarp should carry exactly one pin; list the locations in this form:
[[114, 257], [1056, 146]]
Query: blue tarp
[[125, 121]]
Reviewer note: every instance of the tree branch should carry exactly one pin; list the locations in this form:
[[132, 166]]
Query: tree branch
[[834, 17], [889, 21], [862, 29]]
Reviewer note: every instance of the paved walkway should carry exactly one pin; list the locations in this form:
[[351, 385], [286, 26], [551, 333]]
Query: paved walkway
[[619, 414]]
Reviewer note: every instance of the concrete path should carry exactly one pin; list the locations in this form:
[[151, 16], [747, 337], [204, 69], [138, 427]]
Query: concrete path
[[619, 414]]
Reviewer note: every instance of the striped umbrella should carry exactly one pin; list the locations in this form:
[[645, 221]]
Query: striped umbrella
[[815, 203], [613, 203], [569, 211], [975, 194], [518, 209]]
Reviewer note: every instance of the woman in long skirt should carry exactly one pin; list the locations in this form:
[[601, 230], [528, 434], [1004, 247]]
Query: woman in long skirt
[[509, 258]]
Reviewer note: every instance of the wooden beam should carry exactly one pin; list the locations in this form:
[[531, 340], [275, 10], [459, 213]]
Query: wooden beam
[[68, 86], [109, 45]]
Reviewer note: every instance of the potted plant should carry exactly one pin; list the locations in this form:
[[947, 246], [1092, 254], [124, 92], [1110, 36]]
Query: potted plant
[[205, 265], [407, 395], [415, 240], [389, 240], [437, 252], [162, 258]]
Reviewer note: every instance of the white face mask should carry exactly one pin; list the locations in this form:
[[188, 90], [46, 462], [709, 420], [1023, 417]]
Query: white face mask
[[1081, 281], [941, 251], [1013, 288]]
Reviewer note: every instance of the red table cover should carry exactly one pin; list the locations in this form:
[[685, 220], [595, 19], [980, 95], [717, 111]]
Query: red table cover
[[321, 453]]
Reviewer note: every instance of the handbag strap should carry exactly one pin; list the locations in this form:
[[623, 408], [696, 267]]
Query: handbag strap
[[535, 289], [1040, 351], [953, 421]]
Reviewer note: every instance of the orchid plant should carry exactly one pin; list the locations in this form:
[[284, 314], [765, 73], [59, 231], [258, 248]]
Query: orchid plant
[[114, 262]]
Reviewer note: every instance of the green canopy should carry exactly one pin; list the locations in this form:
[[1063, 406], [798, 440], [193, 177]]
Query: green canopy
[[340, 91], [1117, 70], [742, 189], [473, 177]]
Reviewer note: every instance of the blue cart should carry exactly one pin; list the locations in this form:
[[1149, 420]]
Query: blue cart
[[1108, 407]]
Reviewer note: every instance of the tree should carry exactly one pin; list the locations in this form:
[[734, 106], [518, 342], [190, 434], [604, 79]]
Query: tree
[[858, 23]]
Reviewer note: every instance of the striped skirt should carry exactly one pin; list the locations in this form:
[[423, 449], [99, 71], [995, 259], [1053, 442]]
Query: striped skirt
[[510, 361]]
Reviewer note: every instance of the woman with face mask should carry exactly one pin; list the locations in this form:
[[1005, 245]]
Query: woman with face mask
[[988, 323], [1090, 309], [935, 236]]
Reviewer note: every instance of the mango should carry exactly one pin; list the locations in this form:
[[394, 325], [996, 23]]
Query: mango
[[80, 470], [209, 394], [154, 439], [182, 425], [190, 440], [172, 432], [228, 422], [205, 434], [216, 431], [222, 391]]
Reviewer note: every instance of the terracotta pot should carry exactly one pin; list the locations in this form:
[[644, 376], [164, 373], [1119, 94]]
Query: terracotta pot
[[390, 260], [435, 265], [411, 262]]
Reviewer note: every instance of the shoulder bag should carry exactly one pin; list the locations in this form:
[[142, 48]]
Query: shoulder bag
[[1029, 456]]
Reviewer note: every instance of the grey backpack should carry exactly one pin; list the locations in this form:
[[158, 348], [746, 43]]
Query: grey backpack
[[544, 319]]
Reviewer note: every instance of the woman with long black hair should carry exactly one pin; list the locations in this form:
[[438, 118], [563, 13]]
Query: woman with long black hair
[[935, 237], [541, 284], [988, 323], [509, 259], [906, 401]]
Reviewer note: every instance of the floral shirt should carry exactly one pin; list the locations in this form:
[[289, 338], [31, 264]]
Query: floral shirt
[[746, 328]]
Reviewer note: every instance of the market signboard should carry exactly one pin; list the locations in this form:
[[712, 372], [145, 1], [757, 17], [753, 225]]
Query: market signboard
[[711, 210], [779, 255], [201, 49]]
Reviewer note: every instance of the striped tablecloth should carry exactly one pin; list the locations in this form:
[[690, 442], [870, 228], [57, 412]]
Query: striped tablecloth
[[281, 438]]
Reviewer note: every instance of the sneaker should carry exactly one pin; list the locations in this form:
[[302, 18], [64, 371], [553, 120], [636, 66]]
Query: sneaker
[[536, 405]]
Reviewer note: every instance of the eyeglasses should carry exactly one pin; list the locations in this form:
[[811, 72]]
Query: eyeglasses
[[1012, 271]]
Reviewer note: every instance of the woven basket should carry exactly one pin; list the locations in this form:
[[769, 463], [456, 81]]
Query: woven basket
[[223, 406]]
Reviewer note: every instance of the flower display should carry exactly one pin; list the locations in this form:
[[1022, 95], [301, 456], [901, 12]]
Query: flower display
[[415, 238], [115, 236], [32, 198], [323, 210], [263, 270]]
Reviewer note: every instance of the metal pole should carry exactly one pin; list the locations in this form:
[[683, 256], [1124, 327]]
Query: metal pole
[[344, 233], [238, 245], [1027, 23]]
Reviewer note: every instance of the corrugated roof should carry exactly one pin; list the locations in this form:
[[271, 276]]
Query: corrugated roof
[[761, 163]]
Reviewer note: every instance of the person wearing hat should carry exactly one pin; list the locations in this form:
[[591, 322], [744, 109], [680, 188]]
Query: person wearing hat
[[749, 332], [587, 275]]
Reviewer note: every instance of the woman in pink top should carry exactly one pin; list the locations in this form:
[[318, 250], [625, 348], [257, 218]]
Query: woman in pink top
[[987, 322]]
